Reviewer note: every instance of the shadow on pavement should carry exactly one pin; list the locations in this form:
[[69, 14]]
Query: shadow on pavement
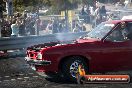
[[60, 81]]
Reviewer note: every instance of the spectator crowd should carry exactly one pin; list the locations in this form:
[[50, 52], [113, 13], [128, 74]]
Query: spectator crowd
[[93, 14], [19, 25], [29, 23]]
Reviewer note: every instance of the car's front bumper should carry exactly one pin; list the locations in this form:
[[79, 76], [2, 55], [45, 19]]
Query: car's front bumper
[[37, 62]]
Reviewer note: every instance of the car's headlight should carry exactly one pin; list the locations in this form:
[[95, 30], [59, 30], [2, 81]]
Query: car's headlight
[[39, 56]]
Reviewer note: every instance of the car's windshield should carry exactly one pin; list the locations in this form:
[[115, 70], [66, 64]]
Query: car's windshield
[[100, 31]]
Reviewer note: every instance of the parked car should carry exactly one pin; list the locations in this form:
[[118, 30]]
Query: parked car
[[106, 48]]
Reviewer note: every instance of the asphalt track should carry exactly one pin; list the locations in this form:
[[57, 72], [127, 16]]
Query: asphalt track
[[15, 73]]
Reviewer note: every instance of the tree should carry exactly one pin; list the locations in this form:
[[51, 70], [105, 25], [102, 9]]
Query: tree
[[57, 5], [64, 4], [2, 5]]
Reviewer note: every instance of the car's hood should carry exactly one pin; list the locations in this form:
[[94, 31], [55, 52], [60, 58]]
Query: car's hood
[[41, 46], [59, 44]]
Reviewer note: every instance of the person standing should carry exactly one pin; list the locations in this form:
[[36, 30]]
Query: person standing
[[49, 27], [1, 11], [15, 28], [126, 3], [102, 13], [31, 27], [0, 26], [37, 26], [22, 28], [9, 7], [55, 26]]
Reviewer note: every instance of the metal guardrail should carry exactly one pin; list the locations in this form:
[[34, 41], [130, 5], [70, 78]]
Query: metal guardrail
[[24, 42]]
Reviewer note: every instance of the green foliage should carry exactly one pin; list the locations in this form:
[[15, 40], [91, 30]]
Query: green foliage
[[68, 4], [64, 4], [57, 5]]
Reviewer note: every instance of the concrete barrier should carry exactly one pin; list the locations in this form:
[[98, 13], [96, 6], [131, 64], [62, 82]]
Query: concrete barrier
[[11, 43]]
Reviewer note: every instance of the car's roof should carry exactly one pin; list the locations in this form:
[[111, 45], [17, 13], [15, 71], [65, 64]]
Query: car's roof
[[126, 17], [118, 21]]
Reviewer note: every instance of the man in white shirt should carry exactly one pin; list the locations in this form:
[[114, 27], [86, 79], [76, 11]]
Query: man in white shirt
[[126, 3]]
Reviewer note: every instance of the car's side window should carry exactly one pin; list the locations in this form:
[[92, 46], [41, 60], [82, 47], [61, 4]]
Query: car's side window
[[116, 35], [129, 34]]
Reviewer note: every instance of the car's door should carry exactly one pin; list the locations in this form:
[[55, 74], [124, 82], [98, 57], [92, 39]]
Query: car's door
[[119, 48], [115, 52], [129, 44], [127, 60], [117, 55]]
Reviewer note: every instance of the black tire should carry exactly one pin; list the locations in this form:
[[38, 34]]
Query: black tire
[[66, 67]]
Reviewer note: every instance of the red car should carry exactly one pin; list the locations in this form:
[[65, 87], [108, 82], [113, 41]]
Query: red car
[[106, 48]]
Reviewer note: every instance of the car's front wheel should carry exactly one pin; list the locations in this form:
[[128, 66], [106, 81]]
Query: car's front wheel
[[70, 67]]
